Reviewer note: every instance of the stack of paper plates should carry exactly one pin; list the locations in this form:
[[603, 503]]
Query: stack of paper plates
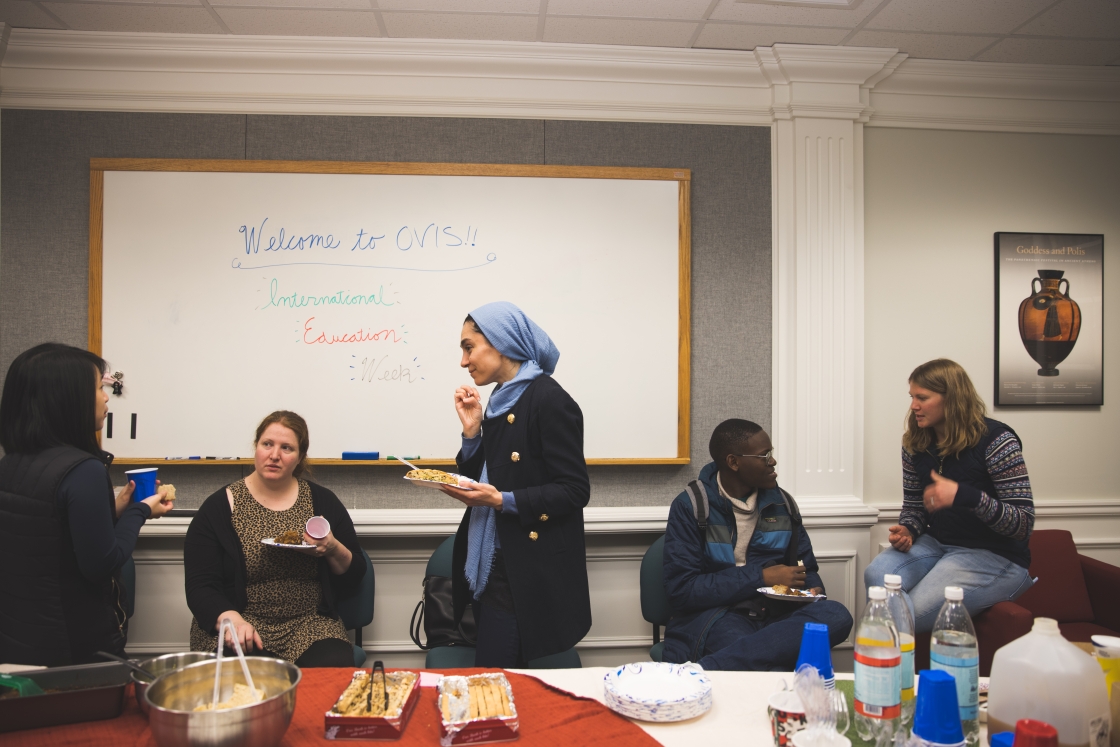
[[658, 691]]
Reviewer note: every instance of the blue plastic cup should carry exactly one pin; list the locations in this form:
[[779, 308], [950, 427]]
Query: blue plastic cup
[[145, 480], [936, 717], [816, 652]]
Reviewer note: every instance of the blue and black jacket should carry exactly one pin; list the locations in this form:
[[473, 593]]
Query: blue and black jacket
[[701, 577]]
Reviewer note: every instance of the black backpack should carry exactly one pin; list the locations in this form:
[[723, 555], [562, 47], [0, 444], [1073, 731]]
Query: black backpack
[[435, 613]]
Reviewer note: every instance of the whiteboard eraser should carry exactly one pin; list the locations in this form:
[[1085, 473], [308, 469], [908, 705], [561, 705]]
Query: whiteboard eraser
[[361, 455]]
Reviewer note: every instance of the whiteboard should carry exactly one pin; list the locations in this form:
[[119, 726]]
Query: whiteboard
[[225, 295]]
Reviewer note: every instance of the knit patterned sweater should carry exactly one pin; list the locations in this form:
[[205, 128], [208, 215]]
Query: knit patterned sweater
[[993, 509]]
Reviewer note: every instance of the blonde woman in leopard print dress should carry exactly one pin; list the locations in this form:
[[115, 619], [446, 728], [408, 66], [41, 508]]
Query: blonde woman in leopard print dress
[[281, 601]]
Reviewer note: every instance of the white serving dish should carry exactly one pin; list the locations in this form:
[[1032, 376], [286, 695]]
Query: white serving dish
[[658, 691]]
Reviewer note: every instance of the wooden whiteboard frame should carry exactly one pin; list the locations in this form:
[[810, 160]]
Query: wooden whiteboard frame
[[683, 177]]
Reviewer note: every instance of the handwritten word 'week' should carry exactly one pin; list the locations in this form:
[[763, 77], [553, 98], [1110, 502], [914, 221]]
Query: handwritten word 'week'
[[407, 237], [338, 298], [312, 337]]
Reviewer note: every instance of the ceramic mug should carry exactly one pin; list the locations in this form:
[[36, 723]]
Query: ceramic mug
[[787, 717]]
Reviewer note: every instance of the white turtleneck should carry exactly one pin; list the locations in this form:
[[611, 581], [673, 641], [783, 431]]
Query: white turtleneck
[[746, 519]]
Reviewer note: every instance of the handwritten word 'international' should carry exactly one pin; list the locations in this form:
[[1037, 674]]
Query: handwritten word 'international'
[[296, 300]]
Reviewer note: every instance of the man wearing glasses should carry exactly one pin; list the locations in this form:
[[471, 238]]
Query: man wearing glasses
[[730, 533]]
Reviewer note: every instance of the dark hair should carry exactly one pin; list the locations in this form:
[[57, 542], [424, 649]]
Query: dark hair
[[475, 325], [296, 425], [50, 399], [730, 437]]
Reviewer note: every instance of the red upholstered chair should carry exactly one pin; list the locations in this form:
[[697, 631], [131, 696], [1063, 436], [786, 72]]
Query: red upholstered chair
[[1081, 593]]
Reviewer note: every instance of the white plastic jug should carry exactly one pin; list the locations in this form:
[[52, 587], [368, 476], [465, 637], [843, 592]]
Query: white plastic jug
[[1045, 677]]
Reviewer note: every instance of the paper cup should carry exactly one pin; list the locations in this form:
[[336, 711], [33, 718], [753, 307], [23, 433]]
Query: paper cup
[[318, 527], [145, 480], [787, 717]]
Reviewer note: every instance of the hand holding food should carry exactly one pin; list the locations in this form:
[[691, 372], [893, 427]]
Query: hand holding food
[[162, 502], [784, 575], [468, 405]]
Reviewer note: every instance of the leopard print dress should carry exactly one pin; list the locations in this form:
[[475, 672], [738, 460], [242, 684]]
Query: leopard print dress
[[282, 586]]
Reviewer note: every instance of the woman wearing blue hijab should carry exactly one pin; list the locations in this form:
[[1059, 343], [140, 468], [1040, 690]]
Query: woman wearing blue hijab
[[519, 554]]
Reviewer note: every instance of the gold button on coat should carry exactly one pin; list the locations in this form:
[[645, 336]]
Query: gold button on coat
[[515, 457], [533, 536], [510, 418], [544, 517]]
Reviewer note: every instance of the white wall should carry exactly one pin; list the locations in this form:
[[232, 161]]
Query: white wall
[[933, 200]]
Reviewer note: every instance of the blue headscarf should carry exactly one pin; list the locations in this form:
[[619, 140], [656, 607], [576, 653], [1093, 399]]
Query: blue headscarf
[[517, 337]]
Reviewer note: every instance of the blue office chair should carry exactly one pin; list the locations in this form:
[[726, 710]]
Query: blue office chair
[[356, 609], [460, 657], [655, 602]]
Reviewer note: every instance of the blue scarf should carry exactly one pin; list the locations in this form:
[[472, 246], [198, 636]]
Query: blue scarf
[[515, 336]]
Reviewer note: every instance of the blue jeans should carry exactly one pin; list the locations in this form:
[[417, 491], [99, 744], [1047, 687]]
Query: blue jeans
[[739, 643], [930, 566]]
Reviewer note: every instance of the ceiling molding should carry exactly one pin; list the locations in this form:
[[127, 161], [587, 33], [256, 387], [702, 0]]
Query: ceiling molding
[[45, 69]]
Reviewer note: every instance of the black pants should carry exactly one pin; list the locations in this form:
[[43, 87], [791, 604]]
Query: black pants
[[499, 643], [329, 652]]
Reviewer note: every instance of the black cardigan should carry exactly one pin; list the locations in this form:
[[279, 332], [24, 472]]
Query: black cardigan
[[543, 544], [214, 564]]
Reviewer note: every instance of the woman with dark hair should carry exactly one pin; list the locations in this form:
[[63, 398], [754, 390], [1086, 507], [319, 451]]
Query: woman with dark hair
[[967, 510], [281, 600], [519, 554], [62, 526]]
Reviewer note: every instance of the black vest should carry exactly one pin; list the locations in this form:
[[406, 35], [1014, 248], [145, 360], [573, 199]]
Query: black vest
[[50, 614]]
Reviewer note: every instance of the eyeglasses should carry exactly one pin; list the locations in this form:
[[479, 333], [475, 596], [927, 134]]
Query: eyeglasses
[[767, 456]]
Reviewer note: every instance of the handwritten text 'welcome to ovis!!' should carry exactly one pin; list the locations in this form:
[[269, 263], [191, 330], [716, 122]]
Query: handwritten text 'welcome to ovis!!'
[[327, 249]]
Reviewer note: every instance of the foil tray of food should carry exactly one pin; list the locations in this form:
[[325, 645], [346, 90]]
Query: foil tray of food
[[432, 478], [374, 710], [476, 709], [88, 692]]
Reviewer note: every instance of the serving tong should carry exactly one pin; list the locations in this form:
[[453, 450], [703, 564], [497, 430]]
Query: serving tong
[[384, 688], [227, 623]]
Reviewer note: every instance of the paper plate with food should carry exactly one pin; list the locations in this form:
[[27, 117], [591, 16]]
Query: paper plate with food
[[433, 478], [291, 540], [789, 594]]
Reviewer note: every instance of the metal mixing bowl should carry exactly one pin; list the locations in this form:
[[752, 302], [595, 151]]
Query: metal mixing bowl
[[173, 697], [160, 666]]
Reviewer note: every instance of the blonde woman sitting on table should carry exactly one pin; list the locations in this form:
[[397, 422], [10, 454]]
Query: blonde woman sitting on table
[[281, 601]]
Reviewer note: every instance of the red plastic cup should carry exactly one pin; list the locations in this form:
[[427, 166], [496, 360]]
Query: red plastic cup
[[1031, 733]]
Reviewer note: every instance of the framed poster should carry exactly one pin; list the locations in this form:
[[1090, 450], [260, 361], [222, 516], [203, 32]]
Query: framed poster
[[1049, 319]]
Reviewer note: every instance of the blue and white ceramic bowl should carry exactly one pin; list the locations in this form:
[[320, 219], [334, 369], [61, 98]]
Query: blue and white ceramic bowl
[[658, 691]]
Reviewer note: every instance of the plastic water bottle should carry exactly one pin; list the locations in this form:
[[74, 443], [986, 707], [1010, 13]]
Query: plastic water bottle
[[904, 623], [952, 649], [878, 670]]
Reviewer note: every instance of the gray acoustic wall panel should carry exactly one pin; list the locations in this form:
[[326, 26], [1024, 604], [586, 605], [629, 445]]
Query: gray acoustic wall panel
[[44, 214]]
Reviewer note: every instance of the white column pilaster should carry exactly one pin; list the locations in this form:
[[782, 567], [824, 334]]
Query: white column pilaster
[[820, 99]]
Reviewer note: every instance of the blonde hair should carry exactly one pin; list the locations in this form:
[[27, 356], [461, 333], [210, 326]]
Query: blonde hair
[[963, 407]]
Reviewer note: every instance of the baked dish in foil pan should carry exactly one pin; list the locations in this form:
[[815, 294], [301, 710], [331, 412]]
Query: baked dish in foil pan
[[476, 709]]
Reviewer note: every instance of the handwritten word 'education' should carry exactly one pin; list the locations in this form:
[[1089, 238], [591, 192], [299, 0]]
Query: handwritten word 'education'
[[407, 239], [311, 336], [338, 298]]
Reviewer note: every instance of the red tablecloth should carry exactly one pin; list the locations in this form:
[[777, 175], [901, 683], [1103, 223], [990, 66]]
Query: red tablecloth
[[547, 717]]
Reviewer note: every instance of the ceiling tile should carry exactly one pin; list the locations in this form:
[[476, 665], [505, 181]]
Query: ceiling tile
[[611, 31], [299, 22], [464, 6], [461, 26], [1078, 18], [925, 46], [1053, 51], [148, 18], [265, 5], [729, 10], [690, 10], [738, 36], [22, 15], [967, 16]]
